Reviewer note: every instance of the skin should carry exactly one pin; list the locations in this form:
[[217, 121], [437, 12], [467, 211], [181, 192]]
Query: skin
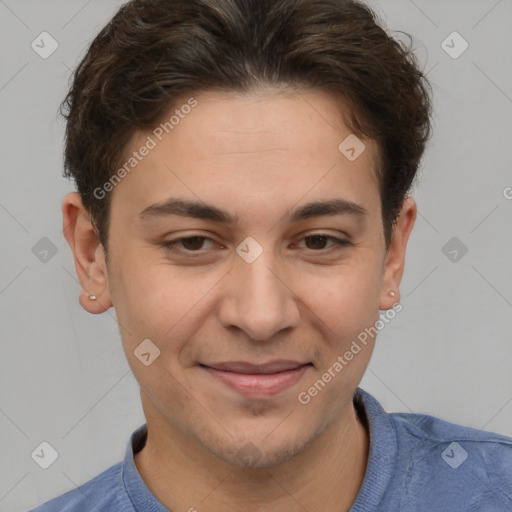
[[258, 155]]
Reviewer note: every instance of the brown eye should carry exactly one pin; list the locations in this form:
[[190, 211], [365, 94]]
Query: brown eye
[[186, 244], [317, 242], [193, 243]]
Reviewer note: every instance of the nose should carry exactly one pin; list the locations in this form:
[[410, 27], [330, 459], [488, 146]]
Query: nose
[[260, 299]]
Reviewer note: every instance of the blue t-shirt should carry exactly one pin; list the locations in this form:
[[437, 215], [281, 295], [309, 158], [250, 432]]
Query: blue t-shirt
[[416, 463]]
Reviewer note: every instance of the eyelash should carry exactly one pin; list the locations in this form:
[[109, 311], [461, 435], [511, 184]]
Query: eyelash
[[338, 243]]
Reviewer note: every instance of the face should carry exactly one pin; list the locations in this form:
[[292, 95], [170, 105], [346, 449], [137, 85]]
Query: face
[[250, 297]]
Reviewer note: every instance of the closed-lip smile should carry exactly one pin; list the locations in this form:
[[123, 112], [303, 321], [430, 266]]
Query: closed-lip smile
[[258, 380]]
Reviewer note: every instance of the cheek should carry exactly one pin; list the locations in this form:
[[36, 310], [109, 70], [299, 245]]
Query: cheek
[[146, 288], [145, 305], [345, 297], [165, 305]]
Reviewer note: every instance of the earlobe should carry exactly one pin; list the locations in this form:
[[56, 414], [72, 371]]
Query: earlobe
[[88, 255], [395, 256]]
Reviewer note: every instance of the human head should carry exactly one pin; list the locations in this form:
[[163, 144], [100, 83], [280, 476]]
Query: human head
[[262, 131], [154, 52]]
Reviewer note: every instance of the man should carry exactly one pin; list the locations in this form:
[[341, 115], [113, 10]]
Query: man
[[243, 169]]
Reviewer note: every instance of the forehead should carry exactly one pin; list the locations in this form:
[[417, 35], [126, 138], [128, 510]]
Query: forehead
[[305, 119], [264, 145]]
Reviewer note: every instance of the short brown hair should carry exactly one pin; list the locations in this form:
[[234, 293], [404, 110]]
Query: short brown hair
[[154, 51]]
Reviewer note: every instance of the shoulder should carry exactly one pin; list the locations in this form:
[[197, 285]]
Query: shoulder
[[418, 462], [429, 431], [473, 464], [104, 492]]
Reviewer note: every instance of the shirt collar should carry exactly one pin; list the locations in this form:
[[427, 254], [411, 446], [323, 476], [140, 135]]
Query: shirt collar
[[140, 495], [382, 454]]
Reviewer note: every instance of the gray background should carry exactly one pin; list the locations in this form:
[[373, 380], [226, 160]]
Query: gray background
[[64, 378]]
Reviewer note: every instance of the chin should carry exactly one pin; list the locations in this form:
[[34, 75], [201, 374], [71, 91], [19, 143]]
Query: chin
[[261, 453]]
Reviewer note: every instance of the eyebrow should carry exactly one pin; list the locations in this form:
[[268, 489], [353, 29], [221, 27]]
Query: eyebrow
[[199, 210]]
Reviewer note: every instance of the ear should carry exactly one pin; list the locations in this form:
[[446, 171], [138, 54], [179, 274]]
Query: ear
[[88, 253], [395, 256]]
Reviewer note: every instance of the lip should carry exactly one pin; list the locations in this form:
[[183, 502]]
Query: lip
[[258, 380]]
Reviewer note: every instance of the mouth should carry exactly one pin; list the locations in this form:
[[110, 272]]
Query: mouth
[[257, 380]]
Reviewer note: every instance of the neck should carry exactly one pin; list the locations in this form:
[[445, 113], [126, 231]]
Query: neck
[[326, 476]]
